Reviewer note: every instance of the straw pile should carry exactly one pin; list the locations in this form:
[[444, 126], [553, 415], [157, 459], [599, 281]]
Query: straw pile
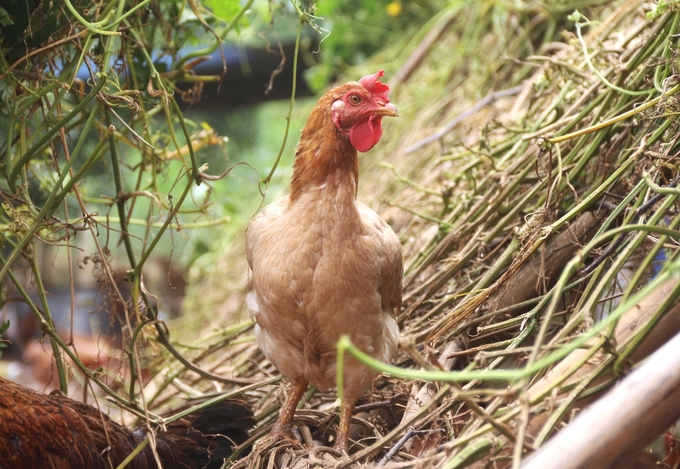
[[532, 181]]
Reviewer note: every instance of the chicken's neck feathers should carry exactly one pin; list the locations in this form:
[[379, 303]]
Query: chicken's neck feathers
[[324, 155]]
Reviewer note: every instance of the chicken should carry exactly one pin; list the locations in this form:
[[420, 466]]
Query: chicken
[[672, 448], [52, 431], [323, 264]]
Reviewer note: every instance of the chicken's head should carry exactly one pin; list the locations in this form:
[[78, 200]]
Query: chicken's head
[[358, 112]]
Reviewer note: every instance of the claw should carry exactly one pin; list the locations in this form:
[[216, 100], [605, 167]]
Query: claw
[[283, 428], [281, 431]]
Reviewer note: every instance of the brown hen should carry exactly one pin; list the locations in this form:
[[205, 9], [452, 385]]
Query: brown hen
[[52, 431], [323, 264]]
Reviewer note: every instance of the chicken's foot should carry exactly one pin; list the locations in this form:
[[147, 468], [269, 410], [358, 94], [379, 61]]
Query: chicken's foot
[[284, 426], [342, 441]]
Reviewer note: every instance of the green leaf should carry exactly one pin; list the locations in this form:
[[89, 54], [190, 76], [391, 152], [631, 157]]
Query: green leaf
[[5, 19], [226, 10]]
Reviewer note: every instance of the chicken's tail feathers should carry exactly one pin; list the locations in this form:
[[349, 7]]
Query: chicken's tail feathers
[[207, 437]]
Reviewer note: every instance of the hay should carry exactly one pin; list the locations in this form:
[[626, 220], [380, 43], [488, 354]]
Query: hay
[[532, 180], [528, 218]]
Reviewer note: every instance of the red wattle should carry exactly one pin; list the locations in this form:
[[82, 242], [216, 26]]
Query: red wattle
[[366, 134]]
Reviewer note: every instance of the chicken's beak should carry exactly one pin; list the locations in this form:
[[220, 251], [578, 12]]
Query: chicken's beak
[[388, 109]]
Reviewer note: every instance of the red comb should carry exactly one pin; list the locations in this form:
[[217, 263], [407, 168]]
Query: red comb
[[375, 86]]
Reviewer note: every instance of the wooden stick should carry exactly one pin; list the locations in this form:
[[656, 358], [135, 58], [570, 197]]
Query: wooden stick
[[524, 285], [622, 422]]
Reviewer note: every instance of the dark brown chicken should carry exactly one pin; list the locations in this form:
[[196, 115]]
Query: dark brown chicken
[[52, 431]]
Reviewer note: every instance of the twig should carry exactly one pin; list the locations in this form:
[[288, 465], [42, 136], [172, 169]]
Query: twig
[[614, 246], [608, 432], [485, 101], [49, 46], [402, 441], [300, 21], [417, 56]]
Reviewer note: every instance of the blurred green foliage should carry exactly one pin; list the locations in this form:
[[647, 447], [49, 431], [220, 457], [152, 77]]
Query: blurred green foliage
[[25, 24], [347, 32], [50, 55], [340, 33], [255, 134], [354, 30]]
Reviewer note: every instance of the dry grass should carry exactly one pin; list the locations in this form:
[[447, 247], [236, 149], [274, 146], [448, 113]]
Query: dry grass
[[524, 222], [539, 236]]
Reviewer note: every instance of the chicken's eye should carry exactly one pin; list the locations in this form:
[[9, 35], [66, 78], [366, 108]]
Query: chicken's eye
[[354, 99]]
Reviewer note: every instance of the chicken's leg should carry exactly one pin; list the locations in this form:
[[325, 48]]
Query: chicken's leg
[[284, 426], [342, 442]]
